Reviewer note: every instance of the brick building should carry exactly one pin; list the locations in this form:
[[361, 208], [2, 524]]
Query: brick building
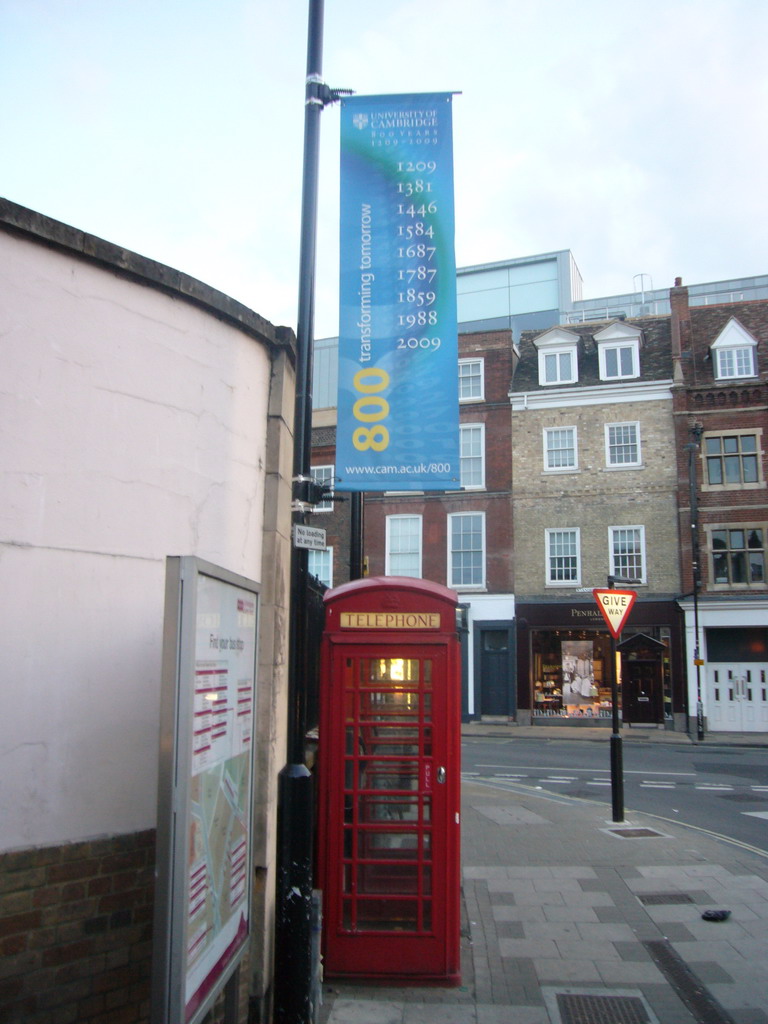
[[720, 402], [594, 494], [597, 439]]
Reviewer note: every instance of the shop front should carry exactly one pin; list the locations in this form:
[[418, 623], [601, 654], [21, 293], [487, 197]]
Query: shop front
[[565, 671]]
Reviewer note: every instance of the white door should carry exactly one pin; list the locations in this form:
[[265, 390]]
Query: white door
[[737, 697]]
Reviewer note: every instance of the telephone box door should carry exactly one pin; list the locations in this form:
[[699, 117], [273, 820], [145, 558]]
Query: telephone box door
[[390, 850]]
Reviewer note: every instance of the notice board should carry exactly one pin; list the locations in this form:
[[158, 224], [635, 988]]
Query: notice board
[[205, 804]]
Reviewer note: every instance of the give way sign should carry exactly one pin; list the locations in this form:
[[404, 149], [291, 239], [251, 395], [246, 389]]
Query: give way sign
[[615, 606]]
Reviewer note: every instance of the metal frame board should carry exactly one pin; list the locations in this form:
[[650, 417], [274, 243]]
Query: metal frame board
[[205, 787]]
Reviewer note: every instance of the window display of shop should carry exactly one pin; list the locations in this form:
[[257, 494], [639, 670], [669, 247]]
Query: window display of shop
[[571, 677], [564, 657]]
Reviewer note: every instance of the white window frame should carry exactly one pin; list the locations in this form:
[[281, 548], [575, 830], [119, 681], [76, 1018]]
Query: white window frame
[[561, 378], [733, 355], [549, 450], [549, 536], [465, 428], [635, 424], [619, 337], [616, 569], [484, 553], [734, 342], [630, 345], [323, 475], [389, 554], [328, 555], [480, 363]]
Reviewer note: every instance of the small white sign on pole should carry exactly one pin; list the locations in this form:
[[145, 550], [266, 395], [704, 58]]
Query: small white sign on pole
[[311, 537]]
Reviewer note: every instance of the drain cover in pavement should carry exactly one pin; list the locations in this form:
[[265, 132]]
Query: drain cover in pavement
[[655, 899], [594, 1009], [635, 833]]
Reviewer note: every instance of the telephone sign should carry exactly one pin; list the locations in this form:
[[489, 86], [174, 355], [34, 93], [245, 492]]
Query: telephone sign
[[615, 606]]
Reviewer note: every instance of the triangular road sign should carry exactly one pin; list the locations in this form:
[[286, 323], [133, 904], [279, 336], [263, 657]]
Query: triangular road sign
[[615, 606]]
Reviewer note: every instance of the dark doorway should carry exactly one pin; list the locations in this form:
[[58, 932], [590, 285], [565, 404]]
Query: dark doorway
[[642, 680], [494, 668]]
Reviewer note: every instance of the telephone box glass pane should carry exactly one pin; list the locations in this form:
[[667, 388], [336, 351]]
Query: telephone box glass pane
[[396, 705], [391, 670], [384, 808], [393, 775], [387, 915], [403, 845], [388, 879]]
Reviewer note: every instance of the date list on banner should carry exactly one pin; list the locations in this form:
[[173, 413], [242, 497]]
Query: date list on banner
[[398, 414]]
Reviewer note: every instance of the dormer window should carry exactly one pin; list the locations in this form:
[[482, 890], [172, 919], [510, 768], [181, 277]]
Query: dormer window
[[558, 362], [733, 353], [618, 347]]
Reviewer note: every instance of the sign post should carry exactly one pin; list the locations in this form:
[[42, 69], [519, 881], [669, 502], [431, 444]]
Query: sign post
[[615, 606]]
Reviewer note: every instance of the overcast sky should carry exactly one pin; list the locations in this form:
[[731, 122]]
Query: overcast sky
[[633, 134]]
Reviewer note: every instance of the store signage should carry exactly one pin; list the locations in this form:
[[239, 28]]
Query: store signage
[[615, 606], [390, 620], [398, 418]]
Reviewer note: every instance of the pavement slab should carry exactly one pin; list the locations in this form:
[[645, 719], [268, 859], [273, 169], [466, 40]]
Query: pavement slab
[[559, 914]]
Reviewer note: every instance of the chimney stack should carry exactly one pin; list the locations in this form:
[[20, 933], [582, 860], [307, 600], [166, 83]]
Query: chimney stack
[[678, 301]]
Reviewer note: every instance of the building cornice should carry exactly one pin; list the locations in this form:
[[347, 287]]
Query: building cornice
[[604, 394]]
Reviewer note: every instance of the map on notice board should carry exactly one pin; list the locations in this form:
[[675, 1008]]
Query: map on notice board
[[219, 827]]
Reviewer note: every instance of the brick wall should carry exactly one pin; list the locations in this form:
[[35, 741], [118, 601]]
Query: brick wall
[[76, 932], [594, 497]]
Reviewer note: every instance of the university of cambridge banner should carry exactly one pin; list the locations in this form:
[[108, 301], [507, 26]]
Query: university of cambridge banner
[[398, 420]]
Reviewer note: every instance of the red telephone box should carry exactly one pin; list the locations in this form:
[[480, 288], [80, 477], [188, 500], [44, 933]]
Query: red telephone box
[[388, 852]]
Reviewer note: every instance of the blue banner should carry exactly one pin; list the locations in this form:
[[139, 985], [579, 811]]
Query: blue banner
[[398, 414]]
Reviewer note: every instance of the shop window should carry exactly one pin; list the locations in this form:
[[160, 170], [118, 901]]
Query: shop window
[[569, 675]]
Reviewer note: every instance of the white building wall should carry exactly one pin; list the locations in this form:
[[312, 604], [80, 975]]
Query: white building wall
[[134, 427]]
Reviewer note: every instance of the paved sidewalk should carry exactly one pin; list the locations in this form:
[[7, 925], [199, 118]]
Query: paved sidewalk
[[570, 918]]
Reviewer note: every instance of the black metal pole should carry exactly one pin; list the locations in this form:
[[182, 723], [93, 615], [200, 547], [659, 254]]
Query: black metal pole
[[696, 567], [617, 753], [293, 931], [356, 557]]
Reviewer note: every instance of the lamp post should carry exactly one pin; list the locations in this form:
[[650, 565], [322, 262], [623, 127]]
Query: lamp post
[[293, 911], [692, 448]]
